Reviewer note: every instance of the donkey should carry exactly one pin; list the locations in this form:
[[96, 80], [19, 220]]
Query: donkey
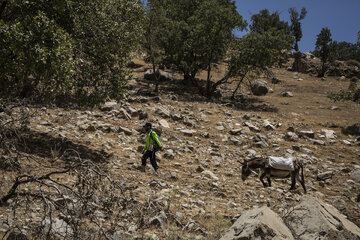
[[268, 171]]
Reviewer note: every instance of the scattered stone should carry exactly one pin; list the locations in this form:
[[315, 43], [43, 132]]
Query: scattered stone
[[324, 176], [319, 142], [314, 219], [309, 134], [187, 132], [353, 129], [210, 174], [161, 75], [199, 169], [287, 94], [259, 88], [235, 131], [163, 123], [291, 137], [355, 175], [275, 80], [125, 130], [329, 134], [159, 220], [258, 223], [162, 112], [169, 154], [252, 127], [142, 115], [108, 106]]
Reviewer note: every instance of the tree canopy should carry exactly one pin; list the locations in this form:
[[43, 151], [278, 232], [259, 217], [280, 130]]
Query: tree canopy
[[51, 48], [323, 47], [295, 27], [264, 21]]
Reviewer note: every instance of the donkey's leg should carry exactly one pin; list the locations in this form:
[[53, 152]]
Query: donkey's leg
[[301, 181], [269, 181], [293, 181], [262, 178]]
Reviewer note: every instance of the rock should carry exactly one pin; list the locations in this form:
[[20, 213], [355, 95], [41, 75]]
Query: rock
[[287, 94], [176, 116], [355, 175], [235, 131], [267, 125], [235, 141], [142, 114], [352, 130], [318, 142], [325, 175], [124, 114], [259, 88], [169, 154], [314, 219], [291, 137], [161, 75], [260, 223], [252, 127], [159, 220], [187, 132], [210, 174], [275, 80], [162, 112], [163, 123], [125, 130], [17, 236], [58, 227], [339, 203], [329, 134], [199, 169], [108, 106], [309, 134], [189, 122]]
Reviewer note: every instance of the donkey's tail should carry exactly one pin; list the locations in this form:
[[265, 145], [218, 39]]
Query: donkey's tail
[[302, 176]]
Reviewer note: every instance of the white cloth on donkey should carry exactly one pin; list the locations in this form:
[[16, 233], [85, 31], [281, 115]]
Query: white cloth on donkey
[[281, 163]]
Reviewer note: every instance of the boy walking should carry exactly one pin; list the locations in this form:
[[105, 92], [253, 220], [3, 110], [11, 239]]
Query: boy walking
[[152, 145]]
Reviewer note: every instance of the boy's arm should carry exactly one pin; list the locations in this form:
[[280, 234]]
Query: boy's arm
[[155, 137], [147, 144]]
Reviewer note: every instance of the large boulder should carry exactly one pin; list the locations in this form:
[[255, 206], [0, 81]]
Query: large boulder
[[314, 219], [259, 88], [162, 75], [260, 223], [353, 129]]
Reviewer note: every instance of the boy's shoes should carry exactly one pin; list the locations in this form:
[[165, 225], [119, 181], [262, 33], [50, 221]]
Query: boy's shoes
[[157, 172], [142, 168]]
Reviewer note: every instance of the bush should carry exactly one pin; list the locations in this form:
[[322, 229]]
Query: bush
[[52, 48], [353, 62], [352, 94]]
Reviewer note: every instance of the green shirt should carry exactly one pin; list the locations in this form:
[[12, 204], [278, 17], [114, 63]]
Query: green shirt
[[150, 140]]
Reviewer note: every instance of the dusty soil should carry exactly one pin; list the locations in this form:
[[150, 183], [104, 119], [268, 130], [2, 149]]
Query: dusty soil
[[210, 203]]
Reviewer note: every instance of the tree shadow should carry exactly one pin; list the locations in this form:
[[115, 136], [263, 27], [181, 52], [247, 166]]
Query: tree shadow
[[189, 92], [47, 146]]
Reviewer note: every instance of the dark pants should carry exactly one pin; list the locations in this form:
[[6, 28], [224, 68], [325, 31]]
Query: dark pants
[[151, 155]]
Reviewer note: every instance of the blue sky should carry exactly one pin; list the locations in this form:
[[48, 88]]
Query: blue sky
[[342, 17]]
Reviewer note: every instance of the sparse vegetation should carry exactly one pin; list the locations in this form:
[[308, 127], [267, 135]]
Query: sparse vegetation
[[351, 94], [323, 47]]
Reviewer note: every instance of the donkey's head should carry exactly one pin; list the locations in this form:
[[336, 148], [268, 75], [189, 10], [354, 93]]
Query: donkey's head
[[245, 171]]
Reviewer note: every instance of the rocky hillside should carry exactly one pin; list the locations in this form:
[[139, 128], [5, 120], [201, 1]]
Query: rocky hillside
[[199, 192]]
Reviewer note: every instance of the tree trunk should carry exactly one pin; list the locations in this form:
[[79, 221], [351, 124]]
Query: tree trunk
[[296, 47], [208, 83], [238, 86]]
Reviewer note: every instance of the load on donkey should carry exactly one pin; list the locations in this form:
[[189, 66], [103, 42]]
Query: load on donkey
[[277, 167]]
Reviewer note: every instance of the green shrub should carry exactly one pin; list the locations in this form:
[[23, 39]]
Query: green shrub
[[353, 62]]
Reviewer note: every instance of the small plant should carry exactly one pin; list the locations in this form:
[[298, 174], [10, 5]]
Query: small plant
[[352, 94]]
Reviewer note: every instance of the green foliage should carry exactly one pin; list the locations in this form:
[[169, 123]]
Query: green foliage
[[295, 27], [196, 33], [352, 94], [353, 62], [323, 47], [264, 21], [52, 48], [344, 51], [37, 58]]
